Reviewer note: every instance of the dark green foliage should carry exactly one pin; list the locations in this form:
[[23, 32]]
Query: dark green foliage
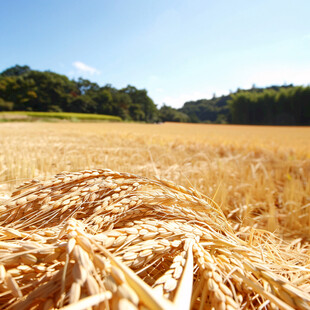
[[23, 89], [37, 91], [207, 110], [16, 71], [282, 106], [5, 105], [144, 105], [168, 114], [275, 105], [82, 104]]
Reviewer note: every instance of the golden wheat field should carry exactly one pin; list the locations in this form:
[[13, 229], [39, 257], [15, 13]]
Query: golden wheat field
[[207, 216], [258, 175]]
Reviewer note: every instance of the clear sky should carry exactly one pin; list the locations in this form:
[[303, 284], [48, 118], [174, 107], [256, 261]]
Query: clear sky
[[178, 50]]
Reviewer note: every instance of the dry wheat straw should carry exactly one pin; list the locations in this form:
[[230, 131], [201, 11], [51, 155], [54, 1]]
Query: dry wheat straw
[[111, 240]]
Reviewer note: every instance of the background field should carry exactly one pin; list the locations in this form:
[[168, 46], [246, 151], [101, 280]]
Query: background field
[[33, 116], [258, 175]]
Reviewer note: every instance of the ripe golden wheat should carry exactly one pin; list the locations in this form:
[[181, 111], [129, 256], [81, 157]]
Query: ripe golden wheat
[[111, 240]]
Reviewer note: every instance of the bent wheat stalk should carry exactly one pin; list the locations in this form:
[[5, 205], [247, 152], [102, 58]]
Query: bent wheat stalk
[[105, 239]]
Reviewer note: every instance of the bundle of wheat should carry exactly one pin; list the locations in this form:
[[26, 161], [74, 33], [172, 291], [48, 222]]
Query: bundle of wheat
[[107, 240]]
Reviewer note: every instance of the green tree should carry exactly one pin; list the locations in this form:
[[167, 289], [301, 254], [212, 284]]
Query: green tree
[[122, 103], [83, 104], [140, 97], [5, 105], [169, 114], [16, 71], [273, 106]]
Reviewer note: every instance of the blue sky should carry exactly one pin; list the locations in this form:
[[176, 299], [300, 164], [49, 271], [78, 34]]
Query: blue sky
[[178, 50]]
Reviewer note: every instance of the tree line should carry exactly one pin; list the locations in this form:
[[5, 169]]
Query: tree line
[[282, 106], [23, 89]]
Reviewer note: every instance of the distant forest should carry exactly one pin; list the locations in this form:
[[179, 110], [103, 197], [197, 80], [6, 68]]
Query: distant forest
[[24, 89]]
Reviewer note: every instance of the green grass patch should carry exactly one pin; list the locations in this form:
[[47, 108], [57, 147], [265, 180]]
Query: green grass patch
[[26, 115]]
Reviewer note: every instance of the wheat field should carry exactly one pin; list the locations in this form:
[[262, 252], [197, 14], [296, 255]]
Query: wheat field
[[257, 175], [236, 204]]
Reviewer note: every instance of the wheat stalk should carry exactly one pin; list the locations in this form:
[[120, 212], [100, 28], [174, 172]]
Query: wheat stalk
[[105, 239]]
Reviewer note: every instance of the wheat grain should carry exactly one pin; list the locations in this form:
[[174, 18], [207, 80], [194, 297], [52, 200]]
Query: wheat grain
[[74, 236]]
